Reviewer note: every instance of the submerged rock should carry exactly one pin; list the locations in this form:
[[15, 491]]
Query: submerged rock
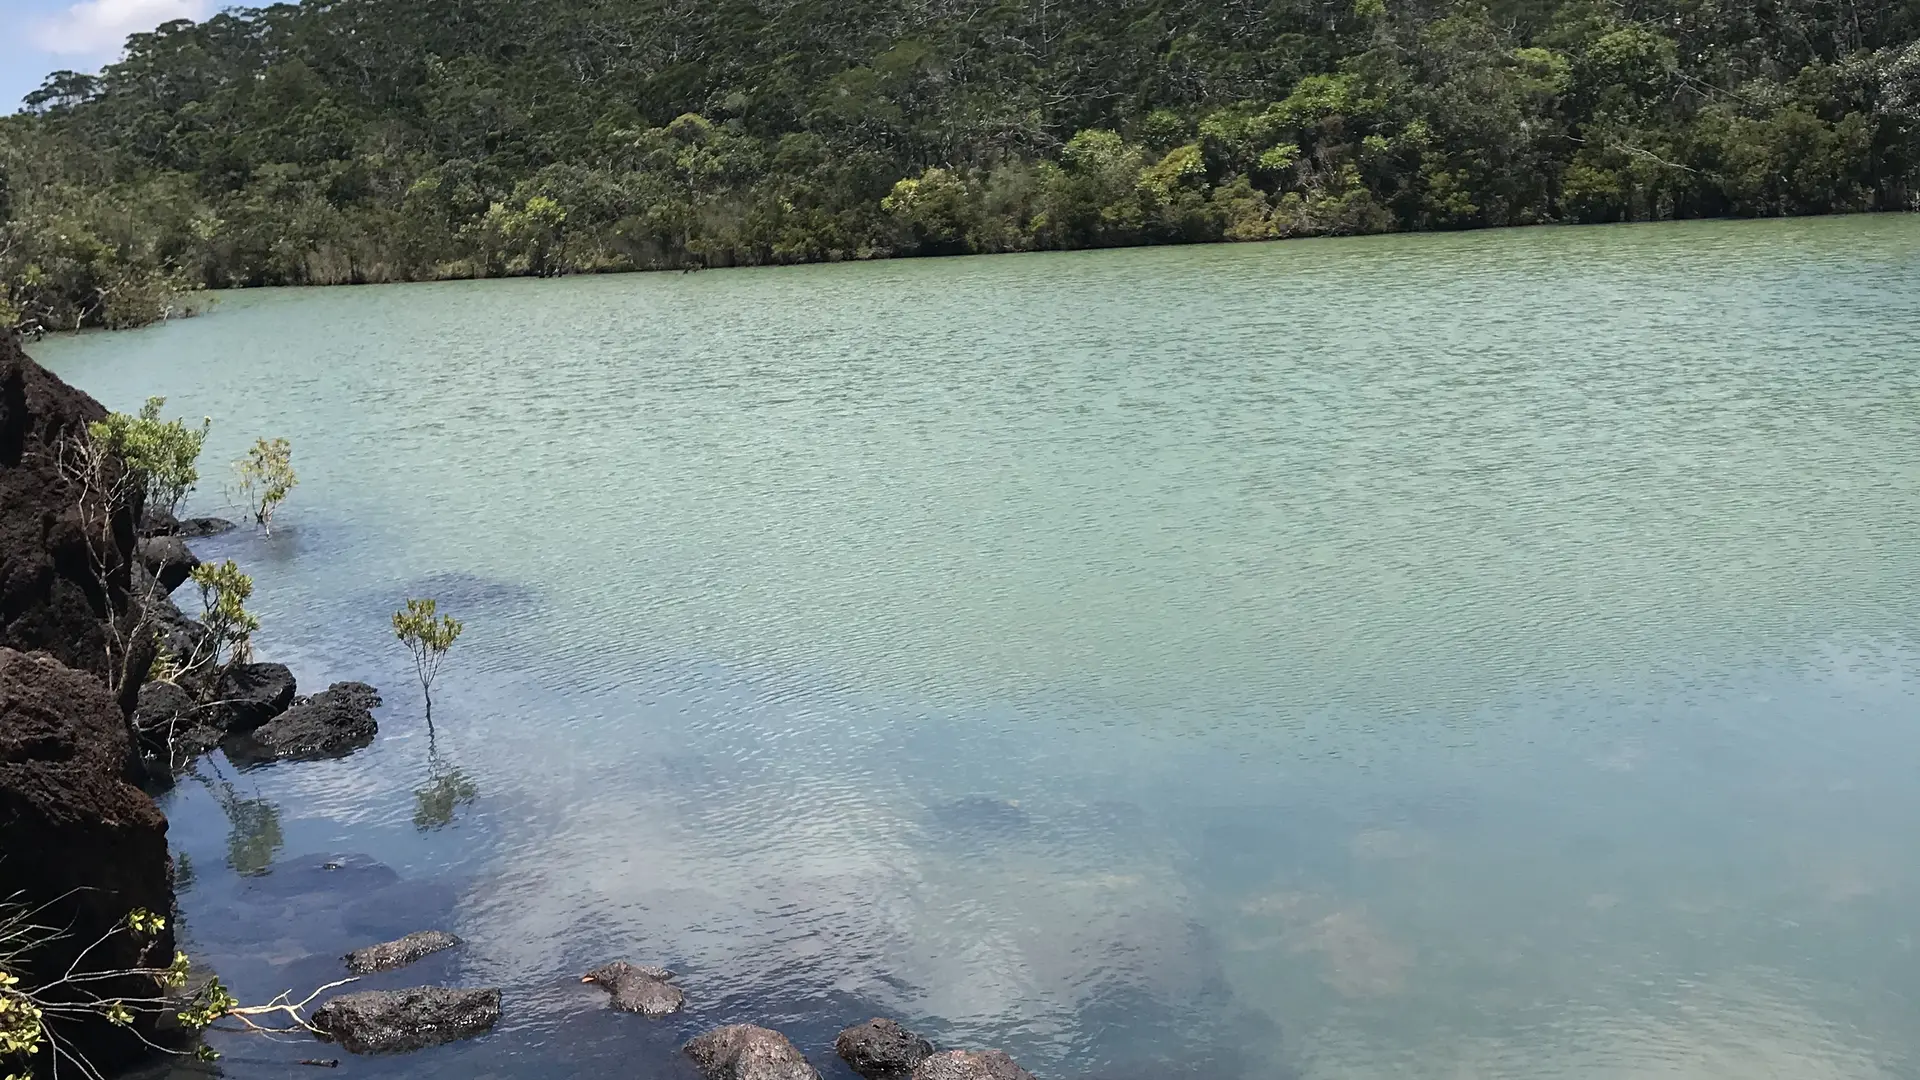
[[635, 989], [746, 1052], [252, 694], [80, 848], [389, 1021], [168, 560], [389, 955], [979, 816], [970, 1065], [333, 723], [881, 1049]]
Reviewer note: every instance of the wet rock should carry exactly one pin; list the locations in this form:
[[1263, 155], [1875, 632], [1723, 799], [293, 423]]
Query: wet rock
[[167, 559], [333, 723], [390, 1021], [252, 694], [389, 955], [970, 1065], [82, 847], [158, 521], [196, 528], [635, 989], [881, 1049], [173, 728], [746, 1052]]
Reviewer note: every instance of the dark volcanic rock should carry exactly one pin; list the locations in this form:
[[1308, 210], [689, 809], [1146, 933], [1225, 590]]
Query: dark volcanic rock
[[643, 990], [333, 723], [167, 559], [388, 1021], [396, 954], [173, 728], [51, 594], [252, 694], [881, 1049], [746, 1052], [82, 845], [195, 528], [158, 521], [970, 1065]]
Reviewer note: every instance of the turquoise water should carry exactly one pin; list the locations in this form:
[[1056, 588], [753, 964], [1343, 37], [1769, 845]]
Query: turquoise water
[[1484, 655]]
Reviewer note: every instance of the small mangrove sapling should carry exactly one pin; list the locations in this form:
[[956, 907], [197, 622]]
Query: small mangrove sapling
[[428, 635], [265, 477]]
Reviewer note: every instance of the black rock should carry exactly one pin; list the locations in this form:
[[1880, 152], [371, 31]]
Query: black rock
[[397, 954], [252, 694], [643, 990], [158, 521], [746, 1052], [82, 848], [168, 559], [333, 723], [970, 1065], [195, 528], [881, 1049], [389, 1021], [173, 728]]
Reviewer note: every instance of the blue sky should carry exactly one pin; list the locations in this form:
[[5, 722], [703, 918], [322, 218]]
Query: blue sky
[[40, 36]]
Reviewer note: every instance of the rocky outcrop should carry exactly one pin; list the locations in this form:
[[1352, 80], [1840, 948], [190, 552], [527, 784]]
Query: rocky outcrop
[[252, 694], [881, 1049], [333, 723], [389, 955], [970, 1065], [82, 845], [746, 1052], [168, 559], [59, 593], [635, 989], [390, 1021]]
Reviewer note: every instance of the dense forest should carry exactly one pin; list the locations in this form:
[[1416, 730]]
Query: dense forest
[[337, 141]]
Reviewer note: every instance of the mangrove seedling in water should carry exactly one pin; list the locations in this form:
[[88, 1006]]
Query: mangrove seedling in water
[[265, 477], [428, 635]]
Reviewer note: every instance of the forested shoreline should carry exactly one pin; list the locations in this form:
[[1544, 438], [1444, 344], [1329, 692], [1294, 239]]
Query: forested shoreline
[[347, 141]]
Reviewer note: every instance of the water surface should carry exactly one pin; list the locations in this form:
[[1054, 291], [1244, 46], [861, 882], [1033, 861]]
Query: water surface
[[1482, 655]]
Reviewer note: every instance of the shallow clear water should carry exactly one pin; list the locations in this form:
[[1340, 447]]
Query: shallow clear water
[[1484, 655]]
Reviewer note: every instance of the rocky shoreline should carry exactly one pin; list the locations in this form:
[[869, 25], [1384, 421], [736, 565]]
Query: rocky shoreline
[[86, 735]]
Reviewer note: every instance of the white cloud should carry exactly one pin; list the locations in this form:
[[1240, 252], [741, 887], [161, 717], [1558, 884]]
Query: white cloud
[[100, 27]]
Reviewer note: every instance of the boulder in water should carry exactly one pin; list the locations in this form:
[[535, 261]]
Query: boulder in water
[[636, 989], [196, 528], [333, 723], [252, 694], [881, 1049], [746, 1052], [390, 1021], [389, 955], [970, 1065]]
